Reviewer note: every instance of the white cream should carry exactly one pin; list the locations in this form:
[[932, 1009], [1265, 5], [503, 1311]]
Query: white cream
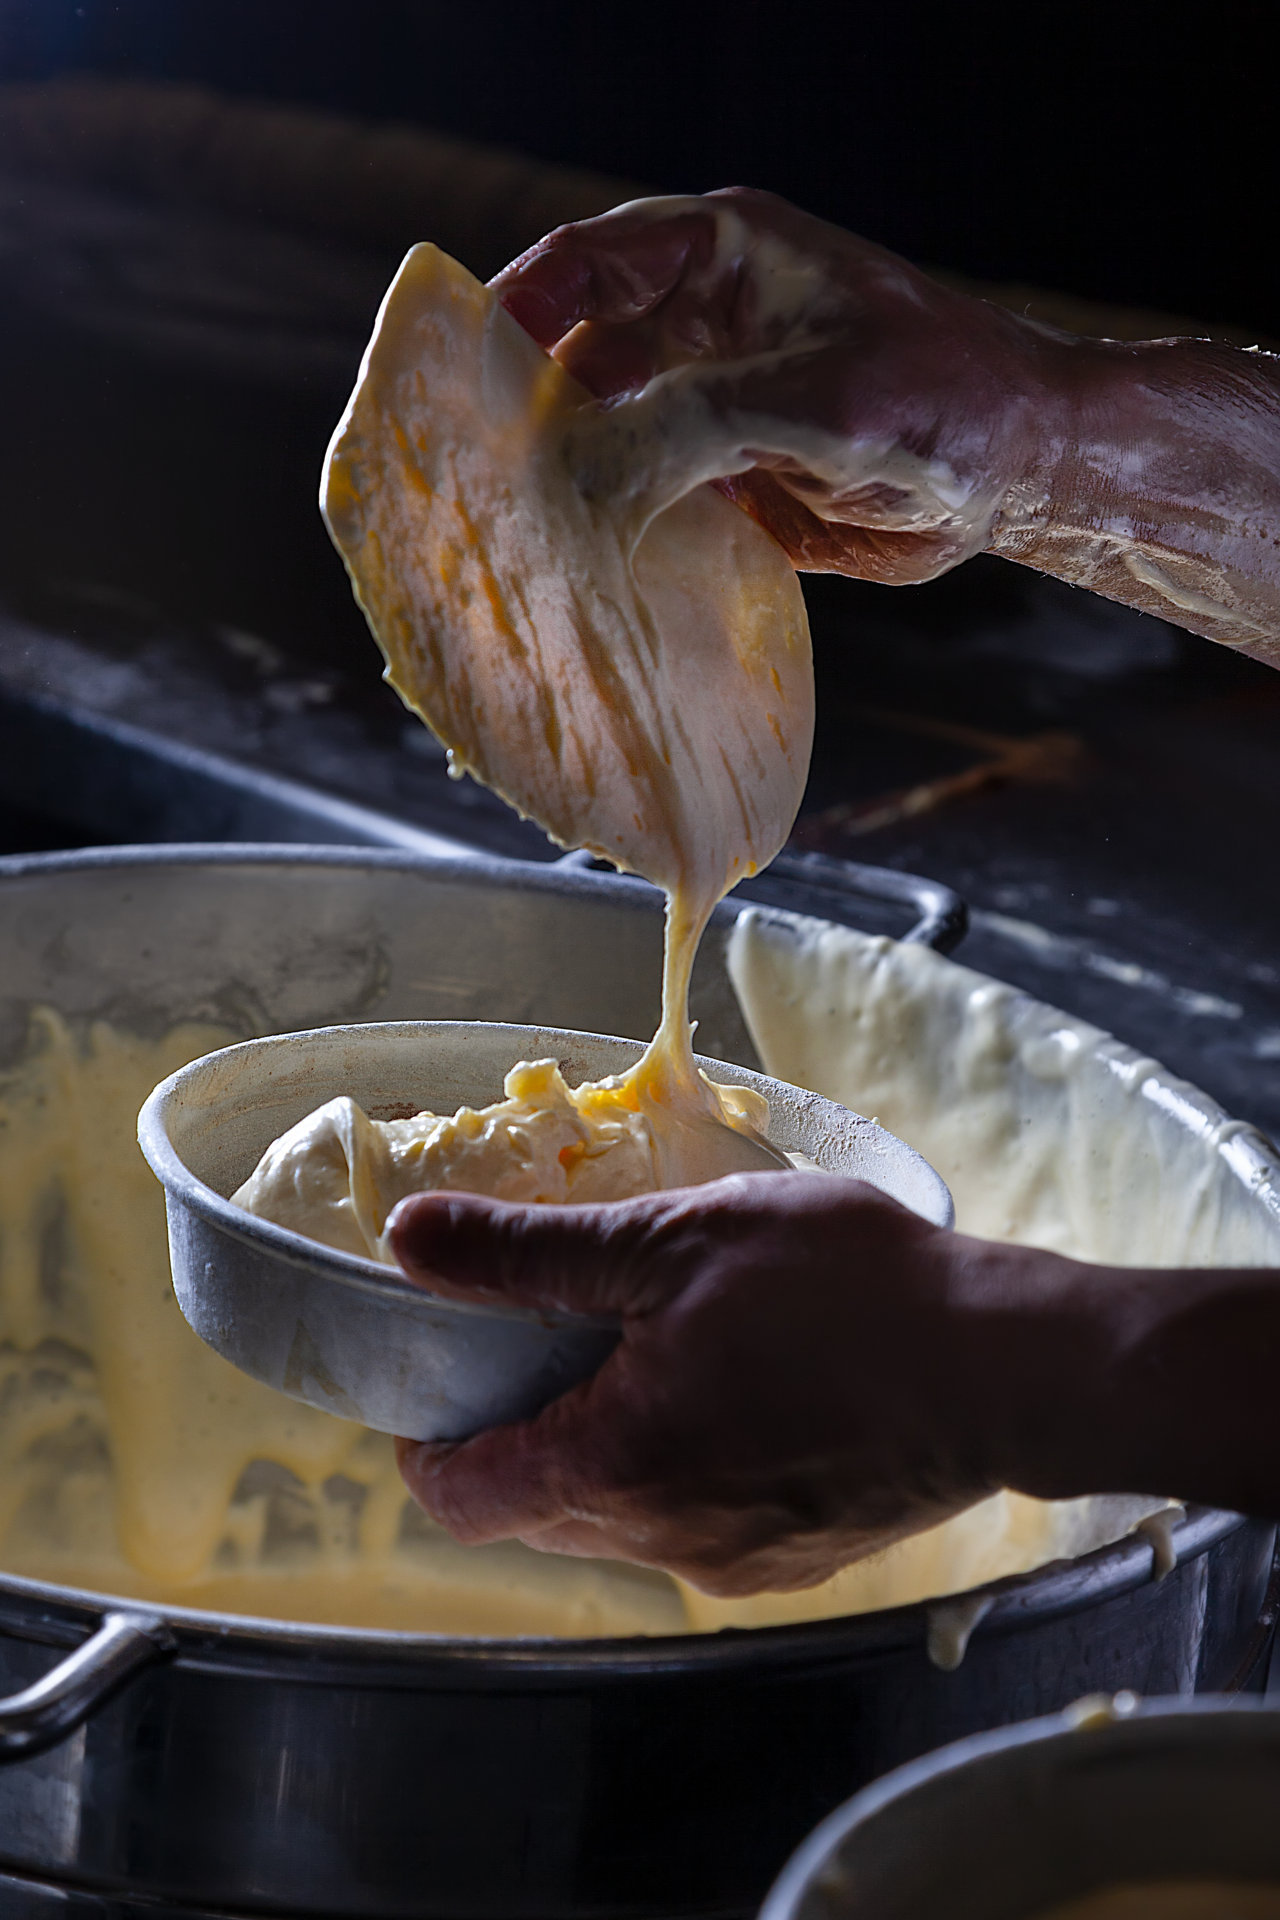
[[951, 1627], [337, 1174], [651, 449], [1158, 1528], [1187, 599], [1047, 1131]]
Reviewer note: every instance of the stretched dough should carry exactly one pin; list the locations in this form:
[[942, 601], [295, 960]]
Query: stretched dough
[[643, 691], [641, 686]]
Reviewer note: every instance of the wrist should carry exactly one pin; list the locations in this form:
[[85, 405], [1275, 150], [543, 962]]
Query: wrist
[[1073, 398], [1041, 1348], [1127, 1380], [1128, 431]]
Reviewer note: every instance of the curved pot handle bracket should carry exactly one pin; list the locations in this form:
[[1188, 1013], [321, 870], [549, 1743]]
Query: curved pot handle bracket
[[53, 1706], [942, 917]]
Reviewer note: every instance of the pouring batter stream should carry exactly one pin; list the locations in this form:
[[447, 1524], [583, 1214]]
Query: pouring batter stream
[[640, 683]]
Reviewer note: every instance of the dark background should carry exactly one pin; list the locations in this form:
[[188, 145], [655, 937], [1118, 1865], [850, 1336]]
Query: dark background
[[1125, 152]]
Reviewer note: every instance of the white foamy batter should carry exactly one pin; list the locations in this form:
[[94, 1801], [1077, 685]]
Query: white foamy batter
[[1047, 1131]]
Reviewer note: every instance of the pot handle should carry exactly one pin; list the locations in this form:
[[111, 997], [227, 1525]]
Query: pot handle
[[53, 1706], [942, 915]]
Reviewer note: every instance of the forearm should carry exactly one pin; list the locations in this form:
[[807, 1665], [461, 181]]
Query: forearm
[[883, 426], [1157, 483], [1145, 1382]]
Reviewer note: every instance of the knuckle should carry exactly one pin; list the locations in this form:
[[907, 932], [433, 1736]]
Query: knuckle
[[437, 1491], [622, 1469], [742, 196]]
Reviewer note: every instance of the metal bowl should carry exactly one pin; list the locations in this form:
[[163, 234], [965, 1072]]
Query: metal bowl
[[347, 1334], [1003, 1826]]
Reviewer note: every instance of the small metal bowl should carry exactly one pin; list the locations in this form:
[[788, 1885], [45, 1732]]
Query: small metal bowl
[[354, 1337], [1012, 1824]]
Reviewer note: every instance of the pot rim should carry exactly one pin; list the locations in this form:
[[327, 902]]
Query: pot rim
[[59, 1615], [1250, 1154], [559, 874], [1253, 1157]]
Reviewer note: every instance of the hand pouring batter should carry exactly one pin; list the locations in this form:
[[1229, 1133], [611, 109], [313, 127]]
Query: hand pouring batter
[[640, 684]]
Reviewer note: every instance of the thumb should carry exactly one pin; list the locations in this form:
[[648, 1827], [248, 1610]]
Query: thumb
[[613, 1259], [705, 420], [643, 451]]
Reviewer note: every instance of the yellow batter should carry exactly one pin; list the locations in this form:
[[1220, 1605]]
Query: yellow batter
[[337, 1174], [134, 1460], [639, 686]]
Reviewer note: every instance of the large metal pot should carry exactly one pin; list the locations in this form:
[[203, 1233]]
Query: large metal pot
[[234, 1765]]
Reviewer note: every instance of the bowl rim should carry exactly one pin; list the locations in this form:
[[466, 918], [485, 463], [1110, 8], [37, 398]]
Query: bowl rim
[[357, 1271]]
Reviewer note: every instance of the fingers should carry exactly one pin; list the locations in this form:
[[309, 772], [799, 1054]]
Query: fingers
[[608, 360], [550, 1484], [814, 545], [660, 1458], [602, 1259], [573, 1481], [621, 265], [520, 1481], [617, 267]]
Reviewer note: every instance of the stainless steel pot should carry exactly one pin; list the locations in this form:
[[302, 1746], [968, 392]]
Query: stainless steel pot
[[253, 1766], [1004, 1826], [314, 1771]]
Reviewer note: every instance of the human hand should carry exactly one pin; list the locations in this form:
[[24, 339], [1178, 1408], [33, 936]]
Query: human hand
[[882, 425], [877, 423], [806, 1373]]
